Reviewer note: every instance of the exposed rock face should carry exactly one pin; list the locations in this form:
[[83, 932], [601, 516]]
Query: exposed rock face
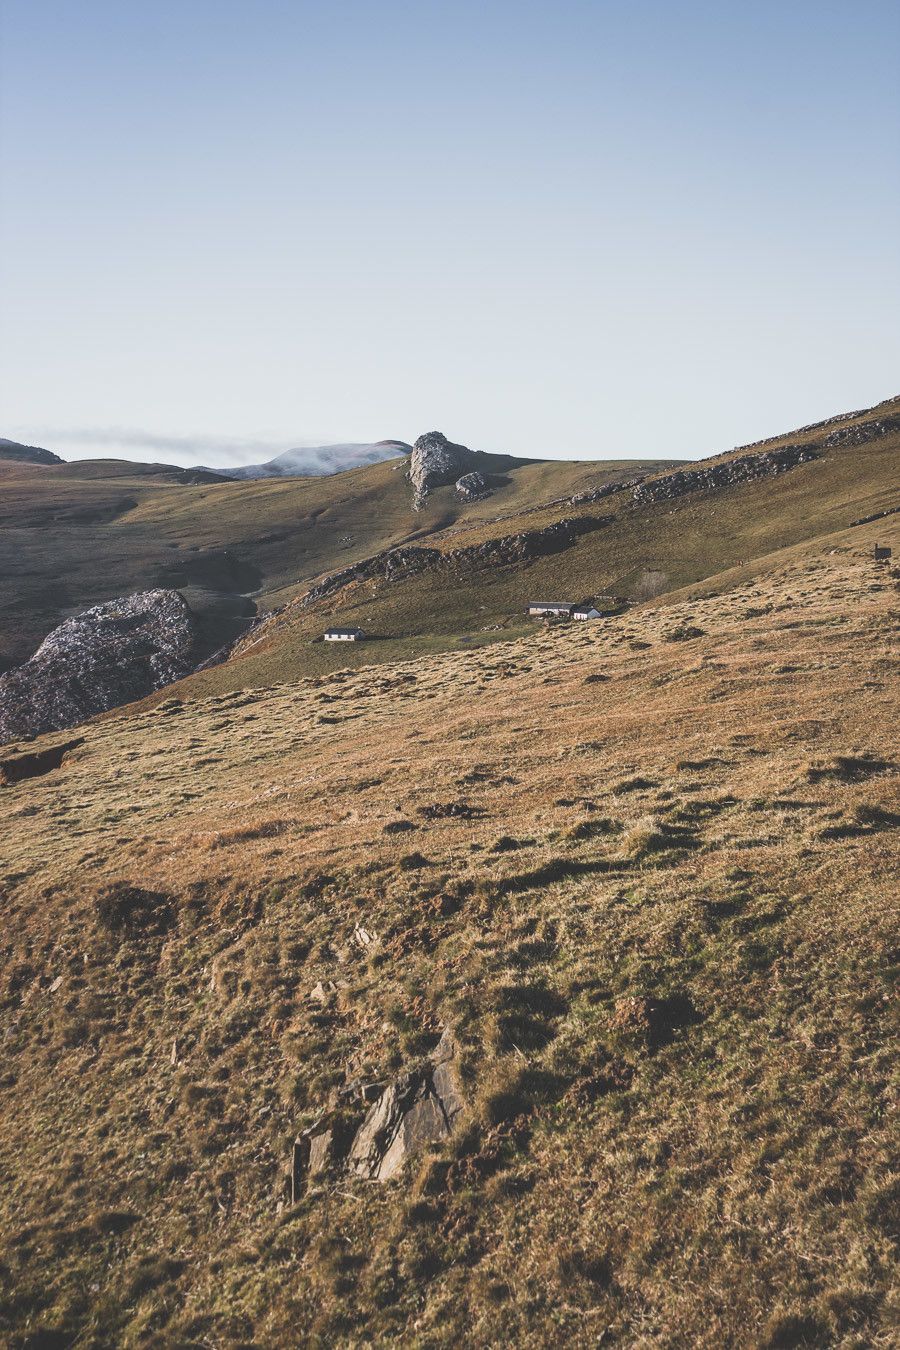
[[606, 490], [434, 462], [417, 1109], [810, 426], [863, 432], [509, 549], [732, 471], [471, 486], [111, 654]]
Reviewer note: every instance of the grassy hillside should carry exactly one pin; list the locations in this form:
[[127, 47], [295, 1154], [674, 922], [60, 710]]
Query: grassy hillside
[[637, 553], [76, 534], [72, 535], [644, 870]]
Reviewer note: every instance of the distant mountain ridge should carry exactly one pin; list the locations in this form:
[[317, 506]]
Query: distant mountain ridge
[[317, 461], [321, 461]]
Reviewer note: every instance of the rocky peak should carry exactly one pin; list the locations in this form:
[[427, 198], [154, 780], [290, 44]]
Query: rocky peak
[[111, 654], [434, 462]]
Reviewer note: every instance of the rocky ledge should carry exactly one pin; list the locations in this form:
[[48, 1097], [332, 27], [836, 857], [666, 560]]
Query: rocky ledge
[[436, 462], [863, 432], [509, 549], [606, 490], [725, 474], [111, 654]]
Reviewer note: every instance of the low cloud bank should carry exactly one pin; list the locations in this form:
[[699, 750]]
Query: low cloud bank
[[135, 443]]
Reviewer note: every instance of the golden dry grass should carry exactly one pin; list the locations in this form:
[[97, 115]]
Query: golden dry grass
[[664, 938]]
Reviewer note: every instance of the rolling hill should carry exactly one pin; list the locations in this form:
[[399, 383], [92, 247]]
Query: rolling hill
[[490, 982], [26, 454], [77, 534], [638, 875], [681, 525]]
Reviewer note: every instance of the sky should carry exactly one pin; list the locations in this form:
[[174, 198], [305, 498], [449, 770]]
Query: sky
[[581, 229]]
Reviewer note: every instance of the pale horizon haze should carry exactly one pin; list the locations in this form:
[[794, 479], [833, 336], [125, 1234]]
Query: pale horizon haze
[[600, 229]]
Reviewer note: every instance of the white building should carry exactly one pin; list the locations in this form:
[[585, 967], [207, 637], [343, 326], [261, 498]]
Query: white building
[[344, 635], [585, 612], [541, 609]]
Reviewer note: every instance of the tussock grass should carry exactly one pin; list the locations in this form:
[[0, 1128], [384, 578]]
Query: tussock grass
[[671, 1006]]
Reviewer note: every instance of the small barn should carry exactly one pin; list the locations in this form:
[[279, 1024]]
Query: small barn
[[550, 609], [585, 612], [882, 553], [344, 635]]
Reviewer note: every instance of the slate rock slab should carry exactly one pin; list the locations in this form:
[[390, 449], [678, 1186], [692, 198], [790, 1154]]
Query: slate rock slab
[[414, 1111]]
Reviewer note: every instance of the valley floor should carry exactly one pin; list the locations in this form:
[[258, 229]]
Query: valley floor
[[644, 869]]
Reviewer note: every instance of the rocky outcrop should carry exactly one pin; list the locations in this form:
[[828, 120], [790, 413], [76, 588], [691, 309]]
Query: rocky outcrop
[[606, 490], [863, 432], [508, 550], [435, 462], [725, 474], [879, 515], [472, 486], [414, 1111], [111, 654], [745, 468], [417, 1109]]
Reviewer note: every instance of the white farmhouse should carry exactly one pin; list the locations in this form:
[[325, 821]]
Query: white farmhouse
[[541, 609], [344, 635]]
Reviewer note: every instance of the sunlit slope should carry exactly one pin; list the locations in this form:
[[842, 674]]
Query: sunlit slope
[[646, 872], [76, 534], [635, 553]]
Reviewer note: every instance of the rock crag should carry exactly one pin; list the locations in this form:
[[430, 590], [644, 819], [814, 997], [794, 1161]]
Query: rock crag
[[396, 563], [436, 462], [725, 474], [605, 490], [863, 432], [109, 655]]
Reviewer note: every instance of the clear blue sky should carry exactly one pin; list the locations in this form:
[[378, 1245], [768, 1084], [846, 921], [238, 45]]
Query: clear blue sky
[[588, 228]]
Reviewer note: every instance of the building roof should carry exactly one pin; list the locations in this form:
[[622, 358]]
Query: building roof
[[356, 632], [551, 604]]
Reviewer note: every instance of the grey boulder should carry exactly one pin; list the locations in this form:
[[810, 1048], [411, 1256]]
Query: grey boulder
[[471, 486]]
